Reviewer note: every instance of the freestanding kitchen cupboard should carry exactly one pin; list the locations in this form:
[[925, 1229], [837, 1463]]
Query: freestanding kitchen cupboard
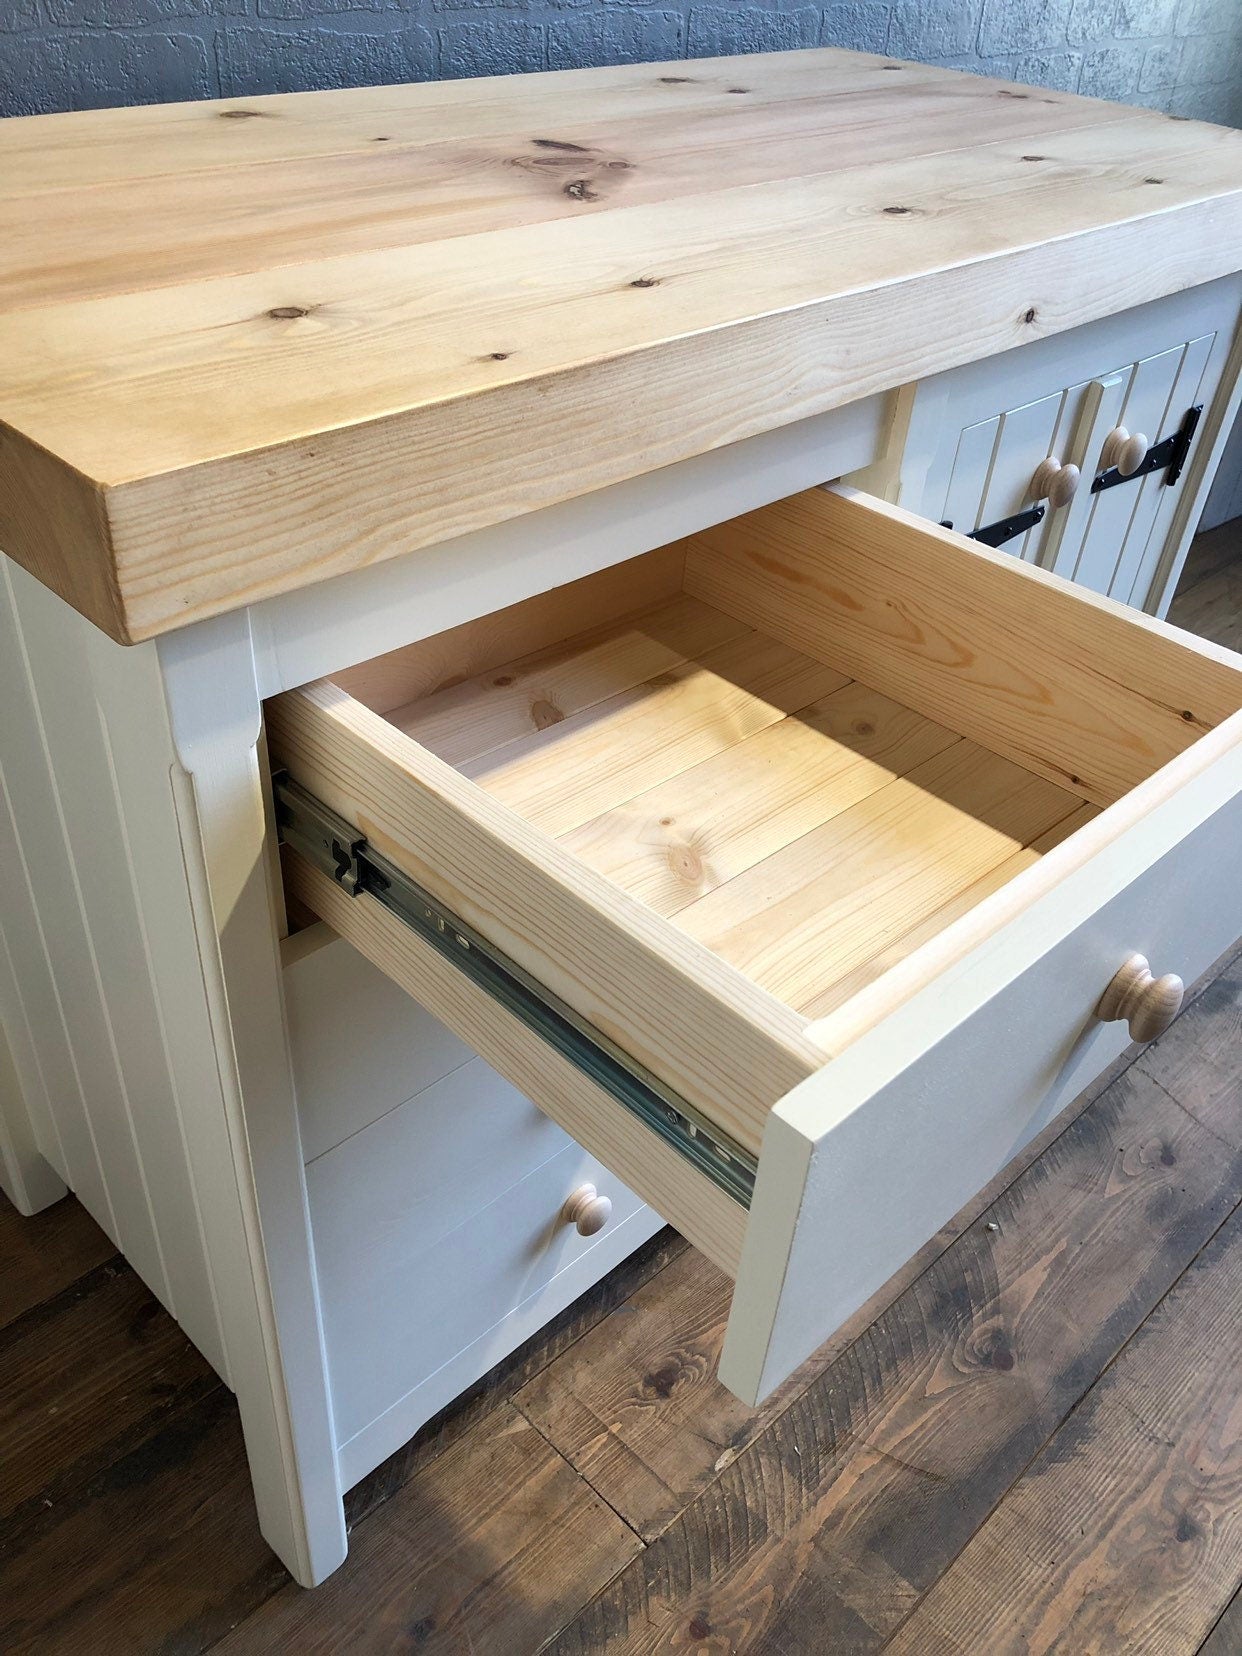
[[432, 478]]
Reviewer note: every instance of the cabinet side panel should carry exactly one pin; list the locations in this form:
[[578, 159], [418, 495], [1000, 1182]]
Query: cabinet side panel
[[43, 926], [111, 892]]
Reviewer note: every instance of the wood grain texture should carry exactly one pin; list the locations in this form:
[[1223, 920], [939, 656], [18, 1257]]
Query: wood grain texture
[[844, 892], [826, 1531], [675, 842], [1225, 1639], [1152, 1461], [435, 664], [41, 1255], [636, 1406], [160, 1550], [519, 1369], [486, 1553], [1089, 694], [797, 825], [102, 1347], [705, 1029], [824, 1002], [309, 335], [562, 776], [1198, 1060], [467, 722]]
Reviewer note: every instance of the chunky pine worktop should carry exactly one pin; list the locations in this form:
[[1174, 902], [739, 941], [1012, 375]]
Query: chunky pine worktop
[[248, 345]]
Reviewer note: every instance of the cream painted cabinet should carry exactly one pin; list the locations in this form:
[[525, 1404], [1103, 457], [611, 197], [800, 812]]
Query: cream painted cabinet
[[700, 850], [474, 785], [969, 444]]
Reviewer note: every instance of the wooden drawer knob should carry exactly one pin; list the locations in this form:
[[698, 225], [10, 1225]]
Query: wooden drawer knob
[[587, 1209], [1124, 451], [1055, 483], [1148, 1004]]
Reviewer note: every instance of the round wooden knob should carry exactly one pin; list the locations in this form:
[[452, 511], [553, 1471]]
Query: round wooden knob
[[1124, 451], [1055, 483], [587, 1209], [1148, 1004]]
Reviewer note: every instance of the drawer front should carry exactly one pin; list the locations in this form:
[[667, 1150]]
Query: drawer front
[[866, 1161], [873, 1124], [417, 1265]]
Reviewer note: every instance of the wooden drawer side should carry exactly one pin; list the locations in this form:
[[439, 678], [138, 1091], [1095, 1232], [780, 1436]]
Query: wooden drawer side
[[702, 1027], [1068, 684]]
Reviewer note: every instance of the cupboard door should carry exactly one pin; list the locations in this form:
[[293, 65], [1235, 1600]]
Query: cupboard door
[[976, 436], [1120, 519]]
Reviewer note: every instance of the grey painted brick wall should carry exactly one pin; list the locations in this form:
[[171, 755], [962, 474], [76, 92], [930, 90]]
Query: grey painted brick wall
[[1184, 56]]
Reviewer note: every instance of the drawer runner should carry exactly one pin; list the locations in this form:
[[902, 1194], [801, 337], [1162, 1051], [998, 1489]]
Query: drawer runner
[[333, 845]]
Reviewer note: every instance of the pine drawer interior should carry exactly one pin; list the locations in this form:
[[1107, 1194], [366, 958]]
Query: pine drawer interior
[[775, 805], [806, 744]]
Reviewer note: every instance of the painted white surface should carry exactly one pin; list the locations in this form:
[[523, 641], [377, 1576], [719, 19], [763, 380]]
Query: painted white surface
[[145, 1054], [27, 1178], [94, 1115], [108, 748], [360, 1045], [865, 1161], [547, 1298], [451, 1238], [251, 1174]]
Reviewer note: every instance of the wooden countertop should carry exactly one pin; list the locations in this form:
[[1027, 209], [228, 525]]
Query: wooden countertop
[[251, 344]]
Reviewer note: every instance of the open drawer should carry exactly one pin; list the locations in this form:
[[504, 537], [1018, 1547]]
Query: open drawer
[[794, 869]]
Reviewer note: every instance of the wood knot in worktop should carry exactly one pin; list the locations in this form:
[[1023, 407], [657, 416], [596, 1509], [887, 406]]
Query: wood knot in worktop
[[592, 173]]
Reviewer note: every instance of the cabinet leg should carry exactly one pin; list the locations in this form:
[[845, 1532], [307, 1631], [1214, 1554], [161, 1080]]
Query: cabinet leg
[[254, 1179]]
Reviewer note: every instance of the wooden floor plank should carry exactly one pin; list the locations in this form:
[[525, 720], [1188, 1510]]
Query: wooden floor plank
[[853, 1503], [1210, 551], [1151, 1462], [825, 1523], [86, 1375], [487, 1553], [636, 1406], [693, 832], [1200, 1059], [845, 891], [1225, 1639], [42, 1255], [1208, 600], [1215, 602], [160, 1552]]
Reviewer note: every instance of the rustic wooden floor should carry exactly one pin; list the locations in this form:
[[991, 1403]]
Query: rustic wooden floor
[[1032, 1441]]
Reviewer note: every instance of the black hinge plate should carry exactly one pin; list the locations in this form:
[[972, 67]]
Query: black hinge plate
[[1169, 455], [1004, 529]]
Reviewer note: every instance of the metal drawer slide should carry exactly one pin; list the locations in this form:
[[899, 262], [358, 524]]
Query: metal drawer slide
[[333, 845]]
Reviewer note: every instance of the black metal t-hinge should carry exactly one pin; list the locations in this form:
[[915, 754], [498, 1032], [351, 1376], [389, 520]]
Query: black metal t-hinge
[[1005, 529], [1170, 453]]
